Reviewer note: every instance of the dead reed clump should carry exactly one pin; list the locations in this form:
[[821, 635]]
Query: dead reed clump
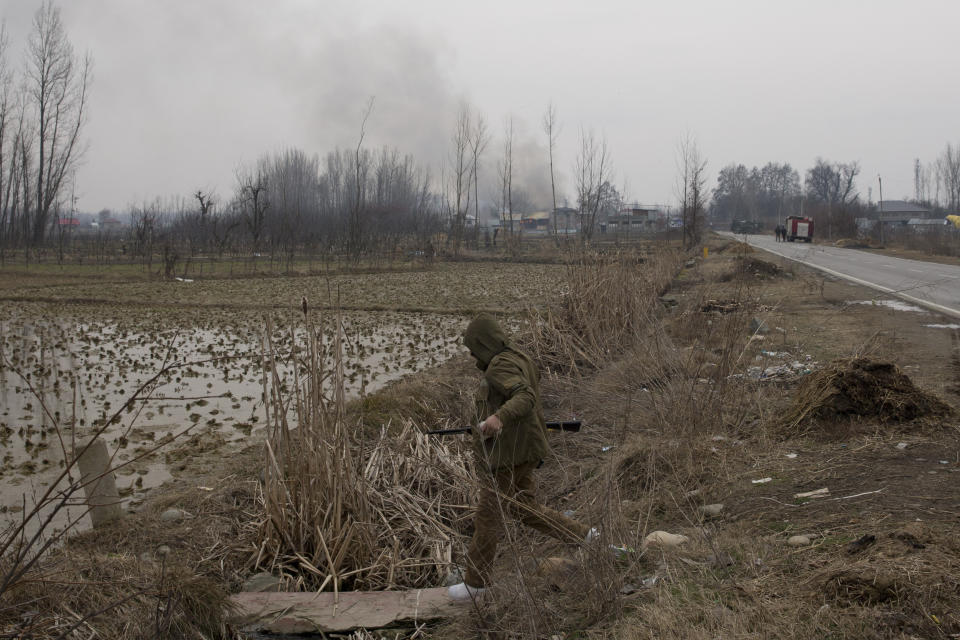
[[342, 510], [605, 303], [862, 387]]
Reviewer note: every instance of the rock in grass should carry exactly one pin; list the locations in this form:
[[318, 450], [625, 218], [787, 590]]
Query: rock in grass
[[172, 515], [664, 540], [262, 582], [711, 510], [798, 541]]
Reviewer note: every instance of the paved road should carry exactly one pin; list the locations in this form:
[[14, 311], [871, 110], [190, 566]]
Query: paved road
[[935, 286]]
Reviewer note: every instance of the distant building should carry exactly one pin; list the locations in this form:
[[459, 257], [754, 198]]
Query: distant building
[[899, 212], [923, 224], [567, 218], [635, 217], [536, 221], [68, 223]]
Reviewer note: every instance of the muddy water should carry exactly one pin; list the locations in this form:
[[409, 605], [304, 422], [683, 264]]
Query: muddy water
[[73, 371]]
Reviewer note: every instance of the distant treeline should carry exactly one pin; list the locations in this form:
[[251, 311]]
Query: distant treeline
[[829, 191]]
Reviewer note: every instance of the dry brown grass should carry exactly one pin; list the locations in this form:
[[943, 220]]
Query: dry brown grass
[[606, 301]]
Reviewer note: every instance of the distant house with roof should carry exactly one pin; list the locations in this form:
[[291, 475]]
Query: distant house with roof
[[635, 217], [899, 212]]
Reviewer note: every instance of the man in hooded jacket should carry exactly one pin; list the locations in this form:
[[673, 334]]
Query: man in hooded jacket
[[511, 443]]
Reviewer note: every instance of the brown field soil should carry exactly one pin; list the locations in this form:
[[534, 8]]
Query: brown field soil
[[694, 414]]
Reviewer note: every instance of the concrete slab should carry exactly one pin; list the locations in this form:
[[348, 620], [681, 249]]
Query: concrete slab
[[321, 612]]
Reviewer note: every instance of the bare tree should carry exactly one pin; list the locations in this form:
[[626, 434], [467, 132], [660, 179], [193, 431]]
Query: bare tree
[[592, 169], [551, 128], [833, 186], [460, 164], [7, 156], [691, 189], [478, 143], [57, 84], [355, 230], [252, 195], [506, 182], [948, 176]]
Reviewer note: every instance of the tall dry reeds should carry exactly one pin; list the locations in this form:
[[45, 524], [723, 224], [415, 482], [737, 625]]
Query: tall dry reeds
[[343, 510], [606, 301]]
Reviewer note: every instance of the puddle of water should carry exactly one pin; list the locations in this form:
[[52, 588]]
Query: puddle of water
[[82, 366], [896, 305]]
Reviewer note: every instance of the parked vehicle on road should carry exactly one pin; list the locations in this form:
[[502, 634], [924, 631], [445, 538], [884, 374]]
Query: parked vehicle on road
[[799, 228], [746, 226]]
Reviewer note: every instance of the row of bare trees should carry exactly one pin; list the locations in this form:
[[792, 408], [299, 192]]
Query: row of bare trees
[[42, 113], [937, 183], [288, 203]]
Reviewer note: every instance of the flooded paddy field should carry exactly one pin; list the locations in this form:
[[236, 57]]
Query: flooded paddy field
[[78, 355], [69, 369]]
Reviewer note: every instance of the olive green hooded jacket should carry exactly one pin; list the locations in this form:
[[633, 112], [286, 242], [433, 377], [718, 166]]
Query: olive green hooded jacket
[[511, 390]]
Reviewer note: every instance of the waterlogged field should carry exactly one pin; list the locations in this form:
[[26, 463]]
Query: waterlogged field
[[187, 358]]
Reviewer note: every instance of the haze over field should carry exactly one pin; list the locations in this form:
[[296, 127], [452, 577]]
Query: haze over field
[[186, 92]]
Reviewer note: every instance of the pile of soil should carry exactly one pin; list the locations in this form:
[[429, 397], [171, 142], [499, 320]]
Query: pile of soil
[[750, 266], [863, 387]]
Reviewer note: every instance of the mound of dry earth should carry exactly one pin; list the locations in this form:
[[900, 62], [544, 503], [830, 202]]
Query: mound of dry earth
[[863, 387]]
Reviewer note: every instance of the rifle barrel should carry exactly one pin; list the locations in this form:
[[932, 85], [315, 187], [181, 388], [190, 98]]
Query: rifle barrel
[[565, 425]]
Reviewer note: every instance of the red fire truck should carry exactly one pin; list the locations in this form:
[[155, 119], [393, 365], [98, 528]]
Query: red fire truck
[[799, 228]]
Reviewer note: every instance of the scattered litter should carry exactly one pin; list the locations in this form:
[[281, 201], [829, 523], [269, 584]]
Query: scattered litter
[[944, 462], [817, 493], [606, 448], [774, 354], [664, 539], [791, 455], [798, 541], [786, 371], [943, 326], [718, 438], [183, 279], [761, 481], [902, 445], [896, 305], [569, 513], [620, 552], [205, 488], [650, 582]]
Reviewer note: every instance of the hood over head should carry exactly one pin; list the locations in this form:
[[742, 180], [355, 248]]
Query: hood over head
[[485, 339]]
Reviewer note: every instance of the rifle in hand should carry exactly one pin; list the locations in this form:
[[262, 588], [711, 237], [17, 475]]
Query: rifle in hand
[[566, 425]]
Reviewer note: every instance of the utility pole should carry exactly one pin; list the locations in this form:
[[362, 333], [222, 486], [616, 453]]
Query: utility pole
[[880, 182]]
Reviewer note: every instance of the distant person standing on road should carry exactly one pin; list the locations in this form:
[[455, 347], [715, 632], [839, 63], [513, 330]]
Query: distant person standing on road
[[511, 444]]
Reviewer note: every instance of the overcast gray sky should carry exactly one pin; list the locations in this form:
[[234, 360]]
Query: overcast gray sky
[[186, 90]]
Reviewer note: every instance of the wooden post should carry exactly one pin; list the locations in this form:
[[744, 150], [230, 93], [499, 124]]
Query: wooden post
[[99, 483]]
